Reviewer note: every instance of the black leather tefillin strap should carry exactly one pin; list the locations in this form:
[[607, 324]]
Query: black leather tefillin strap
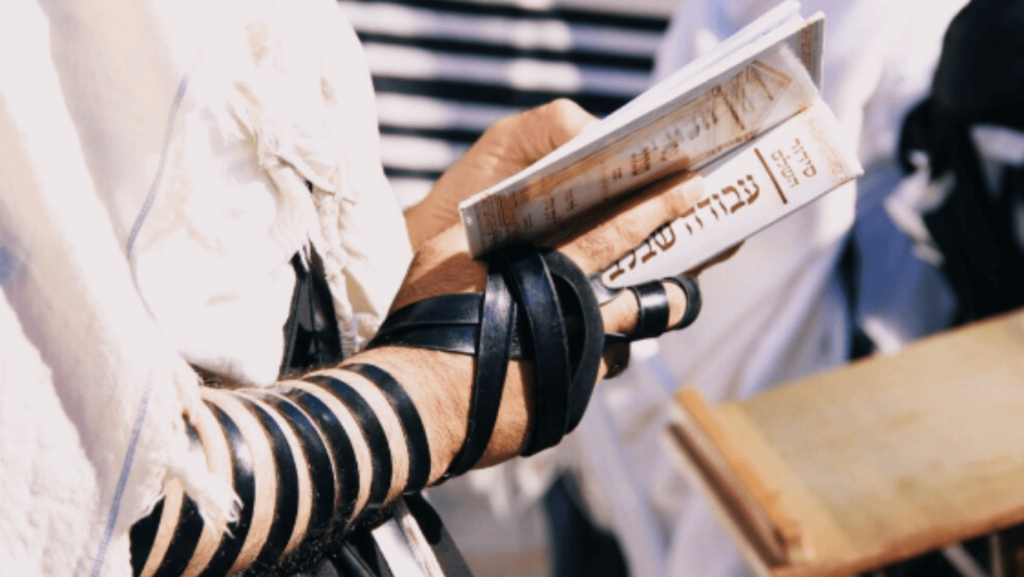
[[537, 305], [373, 433], [653, 303], [417, 445]]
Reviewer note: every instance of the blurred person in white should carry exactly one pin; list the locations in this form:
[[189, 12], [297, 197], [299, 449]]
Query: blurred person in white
[[836, 280]]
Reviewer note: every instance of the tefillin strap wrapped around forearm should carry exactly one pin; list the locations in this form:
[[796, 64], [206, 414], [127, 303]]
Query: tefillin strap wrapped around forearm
[[537, 306]]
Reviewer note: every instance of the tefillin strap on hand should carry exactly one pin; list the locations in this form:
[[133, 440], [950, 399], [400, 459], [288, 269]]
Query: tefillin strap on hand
[[537, 306], [653, 303]]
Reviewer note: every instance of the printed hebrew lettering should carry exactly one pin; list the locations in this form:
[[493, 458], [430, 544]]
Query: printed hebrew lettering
[[789, 176], [695, 131], [617, 272], [707, 203], [805, 159], [704, 118], [632, 262], [751, 194], [685, 217], [670, 150], [720, 203], [641, 163], [739, 199], [650, 251], [661, 238], [745, 98]]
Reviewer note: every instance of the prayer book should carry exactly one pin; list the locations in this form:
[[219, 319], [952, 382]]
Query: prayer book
[[747, 116]]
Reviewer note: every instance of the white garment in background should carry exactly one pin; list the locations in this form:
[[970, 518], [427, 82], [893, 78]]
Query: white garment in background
[[775, 312], [153, 168]]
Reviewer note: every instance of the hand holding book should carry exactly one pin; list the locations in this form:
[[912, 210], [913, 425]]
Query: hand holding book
[[747, 117]]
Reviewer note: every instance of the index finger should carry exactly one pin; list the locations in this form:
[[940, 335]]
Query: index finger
[[631, 222]]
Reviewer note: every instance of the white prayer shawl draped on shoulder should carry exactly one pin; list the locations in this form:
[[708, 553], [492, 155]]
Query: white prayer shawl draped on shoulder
[[154, 160]]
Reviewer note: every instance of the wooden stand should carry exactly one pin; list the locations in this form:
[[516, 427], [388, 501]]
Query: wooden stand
[[858, 469]]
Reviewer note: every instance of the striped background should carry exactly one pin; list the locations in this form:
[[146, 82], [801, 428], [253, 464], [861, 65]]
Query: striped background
[[445, 70]]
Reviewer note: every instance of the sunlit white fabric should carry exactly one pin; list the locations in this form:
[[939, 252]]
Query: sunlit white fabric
[[153, 166]]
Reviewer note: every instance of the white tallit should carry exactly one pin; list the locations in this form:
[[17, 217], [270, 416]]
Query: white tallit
[[153, 166]]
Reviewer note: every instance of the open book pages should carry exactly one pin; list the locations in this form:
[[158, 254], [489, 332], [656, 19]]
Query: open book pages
[[745, 191], [753, 81]]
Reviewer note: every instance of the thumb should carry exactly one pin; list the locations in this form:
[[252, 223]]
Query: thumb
[[539, 131]]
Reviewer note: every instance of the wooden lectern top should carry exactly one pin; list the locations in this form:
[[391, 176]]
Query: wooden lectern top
[[884, 460]]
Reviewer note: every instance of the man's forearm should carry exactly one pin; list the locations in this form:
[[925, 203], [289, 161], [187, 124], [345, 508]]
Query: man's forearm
[[291, 500], [305, 458]]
